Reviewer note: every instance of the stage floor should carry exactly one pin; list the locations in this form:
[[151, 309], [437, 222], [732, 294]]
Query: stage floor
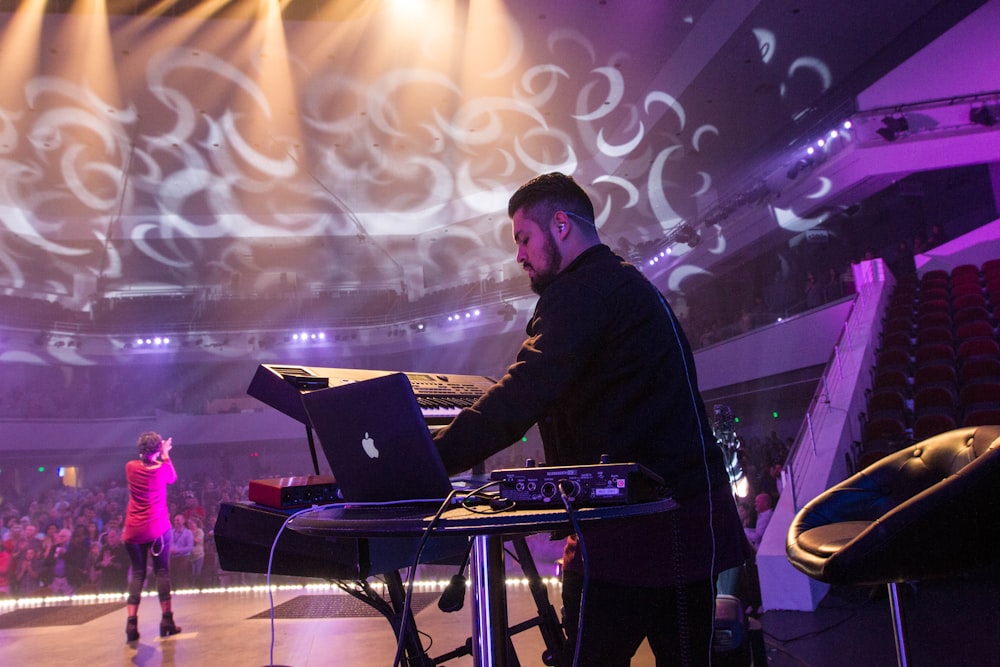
[[951, 622]]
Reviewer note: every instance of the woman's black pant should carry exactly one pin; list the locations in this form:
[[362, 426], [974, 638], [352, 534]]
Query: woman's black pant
[[139, 554]]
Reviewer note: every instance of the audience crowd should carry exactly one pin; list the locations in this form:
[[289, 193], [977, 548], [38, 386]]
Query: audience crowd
[[67, 541], [762, 460]]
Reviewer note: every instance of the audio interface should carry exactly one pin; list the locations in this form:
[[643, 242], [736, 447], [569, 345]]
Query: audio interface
[[297, 491], [585, 486]]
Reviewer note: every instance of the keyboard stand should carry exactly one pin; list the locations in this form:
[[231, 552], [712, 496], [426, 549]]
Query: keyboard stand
[[547, 620], [491, 632], [393, 612]]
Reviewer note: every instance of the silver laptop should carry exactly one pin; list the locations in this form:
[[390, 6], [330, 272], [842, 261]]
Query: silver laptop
[[377, 442]]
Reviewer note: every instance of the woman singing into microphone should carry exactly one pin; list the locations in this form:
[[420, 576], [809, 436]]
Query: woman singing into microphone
[[147, 528]]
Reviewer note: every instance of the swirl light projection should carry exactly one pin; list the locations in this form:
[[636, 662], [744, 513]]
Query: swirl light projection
[[371, 147]]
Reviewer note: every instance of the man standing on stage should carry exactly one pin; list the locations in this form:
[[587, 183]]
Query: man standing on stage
[[606, 369]]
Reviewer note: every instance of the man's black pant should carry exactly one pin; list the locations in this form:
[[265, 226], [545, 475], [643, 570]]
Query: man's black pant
[[678, 622]]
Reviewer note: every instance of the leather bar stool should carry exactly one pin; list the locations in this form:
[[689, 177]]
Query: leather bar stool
[[929, 510]]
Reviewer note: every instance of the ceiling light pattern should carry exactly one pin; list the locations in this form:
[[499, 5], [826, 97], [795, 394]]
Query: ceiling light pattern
[[340, 151]]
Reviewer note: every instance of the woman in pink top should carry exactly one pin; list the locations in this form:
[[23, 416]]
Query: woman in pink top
[[147, 528]]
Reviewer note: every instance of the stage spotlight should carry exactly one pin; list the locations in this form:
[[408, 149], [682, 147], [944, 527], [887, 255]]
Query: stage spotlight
[[893, 127], [982, 116]]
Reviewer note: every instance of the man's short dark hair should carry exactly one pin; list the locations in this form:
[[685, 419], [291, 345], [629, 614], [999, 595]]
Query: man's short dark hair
[[542, 196]]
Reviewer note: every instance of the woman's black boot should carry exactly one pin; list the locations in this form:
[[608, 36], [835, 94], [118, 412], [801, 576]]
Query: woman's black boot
[[132, 629], [167, 626]]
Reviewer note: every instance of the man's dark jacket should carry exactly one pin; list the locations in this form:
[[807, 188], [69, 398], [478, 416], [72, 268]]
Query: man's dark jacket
[[606, 369]]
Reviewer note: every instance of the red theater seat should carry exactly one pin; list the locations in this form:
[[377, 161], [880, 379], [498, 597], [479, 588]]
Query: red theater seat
[[930, 425], [972, 330], [973, 371], [976, 348], [968, 300]]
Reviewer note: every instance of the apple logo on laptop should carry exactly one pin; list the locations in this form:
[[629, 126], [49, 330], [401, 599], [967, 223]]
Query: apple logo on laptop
[[368, 444]]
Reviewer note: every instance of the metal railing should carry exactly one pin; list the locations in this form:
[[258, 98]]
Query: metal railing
[[805, 449]]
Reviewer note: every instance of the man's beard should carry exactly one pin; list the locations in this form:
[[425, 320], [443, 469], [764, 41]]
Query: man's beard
[[553, 260]]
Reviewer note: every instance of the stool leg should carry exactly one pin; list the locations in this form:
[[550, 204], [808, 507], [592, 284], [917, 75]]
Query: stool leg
[[902, 652]]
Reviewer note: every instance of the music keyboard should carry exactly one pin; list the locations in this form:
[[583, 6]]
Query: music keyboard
[[440, 396]]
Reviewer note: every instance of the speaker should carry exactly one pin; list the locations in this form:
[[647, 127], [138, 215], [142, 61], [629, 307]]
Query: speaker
[[244, 533]]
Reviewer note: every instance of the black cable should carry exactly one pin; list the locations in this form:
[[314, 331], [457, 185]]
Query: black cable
[[575, 524], [512, 555], [478, 493], [812, 633], [408, 599], [366, 594]]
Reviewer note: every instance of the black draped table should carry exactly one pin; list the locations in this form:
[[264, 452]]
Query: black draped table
[[487, 530]]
